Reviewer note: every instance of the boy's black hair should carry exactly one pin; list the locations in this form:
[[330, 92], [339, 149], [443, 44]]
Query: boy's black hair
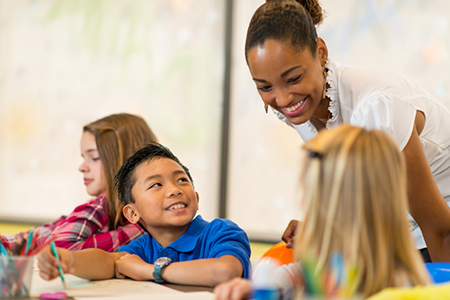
[[125, 179]]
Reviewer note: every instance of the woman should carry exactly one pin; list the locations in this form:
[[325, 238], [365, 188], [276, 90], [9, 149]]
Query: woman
[[294, 76]]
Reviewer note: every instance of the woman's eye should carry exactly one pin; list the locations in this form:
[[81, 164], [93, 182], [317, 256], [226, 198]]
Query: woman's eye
[[95, 158], [264, 88], [295, 79]]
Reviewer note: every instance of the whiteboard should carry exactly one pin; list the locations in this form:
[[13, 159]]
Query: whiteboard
[[64, 64]]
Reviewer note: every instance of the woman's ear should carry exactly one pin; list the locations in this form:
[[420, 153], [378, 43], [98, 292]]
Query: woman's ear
[[129, 211], [322, 50]]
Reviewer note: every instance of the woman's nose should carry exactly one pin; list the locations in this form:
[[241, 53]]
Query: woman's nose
[[284, 97]]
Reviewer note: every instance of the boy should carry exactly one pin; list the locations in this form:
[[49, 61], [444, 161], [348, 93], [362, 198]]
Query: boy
[[158, 192]]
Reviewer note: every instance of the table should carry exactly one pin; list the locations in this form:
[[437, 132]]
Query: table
[[116, 289]]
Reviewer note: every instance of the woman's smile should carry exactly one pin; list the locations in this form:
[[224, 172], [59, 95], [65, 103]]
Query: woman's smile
[[294, 109]]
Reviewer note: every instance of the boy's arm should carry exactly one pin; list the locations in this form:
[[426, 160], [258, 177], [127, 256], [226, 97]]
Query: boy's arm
[[202, 272], [89, 263]]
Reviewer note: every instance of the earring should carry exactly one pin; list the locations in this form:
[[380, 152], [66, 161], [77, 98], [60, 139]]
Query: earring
[[325, 73], [266, 107]]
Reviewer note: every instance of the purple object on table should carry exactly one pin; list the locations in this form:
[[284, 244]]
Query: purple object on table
[[53, 296]]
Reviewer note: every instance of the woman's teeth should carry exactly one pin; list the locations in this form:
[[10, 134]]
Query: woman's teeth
[[294, 107], [176, 206]]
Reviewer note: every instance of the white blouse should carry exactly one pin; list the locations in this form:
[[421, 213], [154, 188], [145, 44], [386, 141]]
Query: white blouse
[[378, 100]]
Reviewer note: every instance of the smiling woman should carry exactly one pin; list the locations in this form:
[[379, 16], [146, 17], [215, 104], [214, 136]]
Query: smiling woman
[[290, 66], [291, 81]]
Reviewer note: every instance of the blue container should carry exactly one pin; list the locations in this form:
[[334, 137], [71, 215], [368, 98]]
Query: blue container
[[265, 294], [439, 271]]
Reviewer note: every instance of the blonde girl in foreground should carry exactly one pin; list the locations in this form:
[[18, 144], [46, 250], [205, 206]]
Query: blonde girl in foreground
[[355, 204]]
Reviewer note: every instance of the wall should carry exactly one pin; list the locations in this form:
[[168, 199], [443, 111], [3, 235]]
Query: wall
[[66, 63]]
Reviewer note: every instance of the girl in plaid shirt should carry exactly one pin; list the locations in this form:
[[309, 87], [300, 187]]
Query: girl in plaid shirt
[[105, 145]]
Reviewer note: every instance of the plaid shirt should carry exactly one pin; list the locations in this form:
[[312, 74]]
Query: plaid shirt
[[85, 227]]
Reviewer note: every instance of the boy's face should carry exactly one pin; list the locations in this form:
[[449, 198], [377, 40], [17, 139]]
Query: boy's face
[[164, 195]]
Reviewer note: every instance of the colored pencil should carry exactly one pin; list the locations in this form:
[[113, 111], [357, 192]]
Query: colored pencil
[[55, 253]]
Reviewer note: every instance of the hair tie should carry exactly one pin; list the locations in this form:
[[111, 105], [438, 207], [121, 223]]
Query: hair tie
[[314, 154]]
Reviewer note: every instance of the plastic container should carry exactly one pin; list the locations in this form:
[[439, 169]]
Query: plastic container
[[15, 275], [439, 271], [264, 282]]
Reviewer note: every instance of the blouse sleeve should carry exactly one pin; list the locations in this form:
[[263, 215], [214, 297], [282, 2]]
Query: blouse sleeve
[[386, 112], [87, 227]]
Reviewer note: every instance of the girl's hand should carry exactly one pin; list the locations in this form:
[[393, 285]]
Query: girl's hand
[[48, 264], [134, 267], [235, 289], [289, 233]]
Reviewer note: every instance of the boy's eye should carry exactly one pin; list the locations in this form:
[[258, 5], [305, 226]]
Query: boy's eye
[[295, 79], [183, 179], [155, 185]]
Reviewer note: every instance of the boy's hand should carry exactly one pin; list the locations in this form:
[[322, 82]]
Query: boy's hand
[[235, 289], [289, 233], [134, 267], [48, 264]]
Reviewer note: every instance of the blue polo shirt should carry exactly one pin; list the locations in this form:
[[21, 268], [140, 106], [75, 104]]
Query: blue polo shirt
[[201, 240]]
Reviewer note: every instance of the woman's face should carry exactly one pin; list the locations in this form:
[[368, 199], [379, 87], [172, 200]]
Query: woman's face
[[92, 167], [290, 81]]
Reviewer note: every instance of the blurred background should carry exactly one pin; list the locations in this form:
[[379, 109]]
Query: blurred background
[[180, 64]]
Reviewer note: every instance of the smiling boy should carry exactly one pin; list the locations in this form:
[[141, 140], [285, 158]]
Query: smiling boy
[[158, 192]]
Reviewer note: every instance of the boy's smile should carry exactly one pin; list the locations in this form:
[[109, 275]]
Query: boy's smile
[[164, 197]]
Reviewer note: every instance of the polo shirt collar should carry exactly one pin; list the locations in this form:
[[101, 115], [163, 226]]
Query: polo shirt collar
[[188, 240]]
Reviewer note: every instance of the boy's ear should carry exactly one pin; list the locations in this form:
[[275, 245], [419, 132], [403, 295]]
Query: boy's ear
[[198, 198], [129, 211]]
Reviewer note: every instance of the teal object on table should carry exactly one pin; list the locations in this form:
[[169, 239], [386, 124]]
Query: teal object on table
[[439, 271]]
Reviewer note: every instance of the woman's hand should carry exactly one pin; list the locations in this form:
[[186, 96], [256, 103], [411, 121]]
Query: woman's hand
[[235, 289], [134, 267], [48, 264], [289, 233]]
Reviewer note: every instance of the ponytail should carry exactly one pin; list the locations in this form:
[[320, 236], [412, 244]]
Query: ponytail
[[286, 21]]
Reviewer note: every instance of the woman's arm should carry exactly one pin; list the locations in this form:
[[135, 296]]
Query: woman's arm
[[202, 272], [426, 204]]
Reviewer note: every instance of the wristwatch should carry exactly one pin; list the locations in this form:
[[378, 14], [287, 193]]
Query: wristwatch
[[160, 263]]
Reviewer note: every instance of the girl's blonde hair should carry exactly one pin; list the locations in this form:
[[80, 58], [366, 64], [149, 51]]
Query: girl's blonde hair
[[355, 201], [117, 137]]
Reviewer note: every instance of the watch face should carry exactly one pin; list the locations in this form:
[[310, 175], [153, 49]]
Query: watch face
[[163, 261]]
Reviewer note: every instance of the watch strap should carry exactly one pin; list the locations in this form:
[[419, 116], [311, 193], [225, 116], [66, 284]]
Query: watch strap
[[157, 274], [159, 265]]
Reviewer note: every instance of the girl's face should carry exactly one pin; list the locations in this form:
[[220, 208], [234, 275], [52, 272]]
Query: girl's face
[[290, 81], [92, 167]]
